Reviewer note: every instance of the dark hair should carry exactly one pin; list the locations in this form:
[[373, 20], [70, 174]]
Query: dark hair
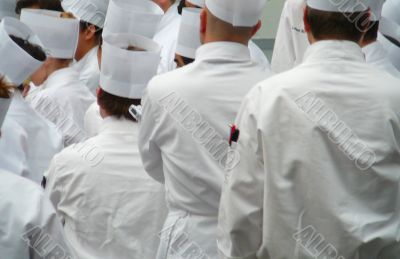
[[115, 105], [83, 25], [372, 33], [54, 5], [34, 50], [5, 88], [335, 25]]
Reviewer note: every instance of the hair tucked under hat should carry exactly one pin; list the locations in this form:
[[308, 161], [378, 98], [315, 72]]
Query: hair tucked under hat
[[5, 88]]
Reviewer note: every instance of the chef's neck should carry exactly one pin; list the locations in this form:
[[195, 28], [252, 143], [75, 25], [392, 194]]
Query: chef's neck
[[164, 4]]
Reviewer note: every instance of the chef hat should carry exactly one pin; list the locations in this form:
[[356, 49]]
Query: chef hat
[[376, 9], [239, 13], [342, 6], [200, 3], [189, 33], [133, 16], [390, 29], [391, 10], [15, 63], [4, 105], [91, 11], [58, 35], [125, 73], [7, 8]]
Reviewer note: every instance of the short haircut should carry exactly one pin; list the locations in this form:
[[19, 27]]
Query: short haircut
[[54, 5], [34, 50], [372, 33], [115, 105], [335, 25]]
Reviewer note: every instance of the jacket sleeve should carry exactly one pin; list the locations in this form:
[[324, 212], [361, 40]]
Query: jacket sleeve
[[53, 188], [241, 211], [149, 150]]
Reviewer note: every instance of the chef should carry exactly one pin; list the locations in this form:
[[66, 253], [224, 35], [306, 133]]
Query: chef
[[183, 135], [27, 215], [317, 145], [374, 51], [29, 141], [110, 206], [61, 97], [132, 17], [91, 14]]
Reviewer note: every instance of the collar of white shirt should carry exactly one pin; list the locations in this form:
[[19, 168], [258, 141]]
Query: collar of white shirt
[[114, 124], [60, 78], [223, 50]]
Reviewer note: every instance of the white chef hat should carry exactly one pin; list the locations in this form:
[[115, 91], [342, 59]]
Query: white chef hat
[[91, 11], [15, 63], [7, 8], [189, 33], [4, 105], [391, 10], [126, 73], [342, 6], [239, 13], [376, 9], [133, 16], [58, 35], [390, 29], [200, 3]]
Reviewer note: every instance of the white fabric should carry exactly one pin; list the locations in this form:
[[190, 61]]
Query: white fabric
[[292, 158], [28, 217], [111, 207], [89, 70], [291, 40], [7, 9], [58, 35], [376, 9], [167, 37], [376, 55], [189, 33], [390, 28], [391, 10], [133, 17], [91, 11], [16, 64], [237, 12], [343, 6], [63, 100], [199, 3], [93, 120], [392, 50], [126, 73], [4, 105], [205, 94], [36, 142], [258, 56]]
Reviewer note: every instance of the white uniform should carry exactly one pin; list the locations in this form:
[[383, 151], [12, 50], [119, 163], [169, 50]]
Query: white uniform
[[306, 138], [63, 100], [376, 55], [167, 37], [29, 225], [257, 55], [93, 120], [392, 50], [291, 40], [89, 71], [40, 139], [183, 140], [111, 207]]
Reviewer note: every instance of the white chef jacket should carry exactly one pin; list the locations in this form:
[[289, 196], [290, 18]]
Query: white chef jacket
[[167, 37], [257, 55], [111, 207], [212, 87], [27, 217], [38, 138], [293, 183], [93, 120], [89, 70], [392, 50], [291, 40], [64, 100], [376, 55]]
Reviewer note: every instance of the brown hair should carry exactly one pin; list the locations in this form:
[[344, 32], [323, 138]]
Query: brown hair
[[334, 25], [34, 50], [5, 88], [54, 5], [115, 105]]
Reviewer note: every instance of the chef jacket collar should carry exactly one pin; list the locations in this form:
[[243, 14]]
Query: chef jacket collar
[[60, 78], [114, 124], [223, 50], [334, 50], [169, 16], [81, 64], [374, 50]]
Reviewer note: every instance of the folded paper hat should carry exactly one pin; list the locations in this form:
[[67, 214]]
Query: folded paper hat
[[7, 8], [58, 35], [15, 63], [342, 6], [239, 13], [129, 62], [200, 3], [133, 16], [91, 11], [189, 33], [390, 29], [391, 10]]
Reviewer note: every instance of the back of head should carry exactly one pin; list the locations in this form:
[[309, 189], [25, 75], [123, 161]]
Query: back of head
[[34, 50]]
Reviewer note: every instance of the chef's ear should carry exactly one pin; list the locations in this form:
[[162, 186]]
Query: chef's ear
[[256, 28], [203, 24], [90, 32]]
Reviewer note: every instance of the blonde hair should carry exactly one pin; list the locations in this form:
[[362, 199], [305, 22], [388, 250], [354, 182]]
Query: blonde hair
[[6, 88], [67, 15]]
